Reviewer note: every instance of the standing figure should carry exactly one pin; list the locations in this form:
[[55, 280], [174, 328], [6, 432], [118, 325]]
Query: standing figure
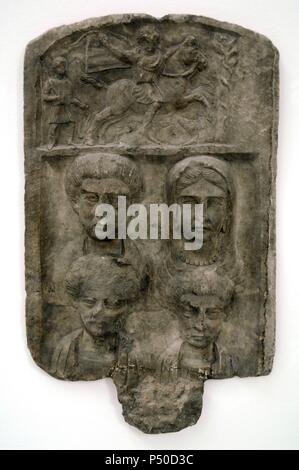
[[58, 93]]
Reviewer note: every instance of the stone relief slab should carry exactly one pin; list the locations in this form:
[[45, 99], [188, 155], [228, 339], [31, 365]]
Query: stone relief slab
[[178, 110]]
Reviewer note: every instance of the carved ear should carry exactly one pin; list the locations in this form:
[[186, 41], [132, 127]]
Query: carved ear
[[226, 315], [227, 309], [75, 205], [225, 224]]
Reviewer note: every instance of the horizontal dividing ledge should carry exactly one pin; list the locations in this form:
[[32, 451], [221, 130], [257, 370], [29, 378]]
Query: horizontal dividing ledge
[[227, 151]]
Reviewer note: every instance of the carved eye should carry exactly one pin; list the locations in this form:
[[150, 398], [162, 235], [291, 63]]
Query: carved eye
[[91, 197], [115, 303], [215, 202], [213, 313], [90, 302], [186, 200], [186, 314], [113, 199]]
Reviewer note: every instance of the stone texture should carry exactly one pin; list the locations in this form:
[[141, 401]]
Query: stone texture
[[178, 109]]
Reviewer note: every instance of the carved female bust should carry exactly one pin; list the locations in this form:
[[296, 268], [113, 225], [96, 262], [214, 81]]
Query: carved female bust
[[204, 180]]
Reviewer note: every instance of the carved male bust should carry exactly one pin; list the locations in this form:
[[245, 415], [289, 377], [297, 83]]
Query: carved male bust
[[100, 179]]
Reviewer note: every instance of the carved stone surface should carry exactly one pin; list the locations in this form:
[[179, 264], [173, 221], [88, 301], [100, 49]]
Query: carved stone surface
[[181, 109]]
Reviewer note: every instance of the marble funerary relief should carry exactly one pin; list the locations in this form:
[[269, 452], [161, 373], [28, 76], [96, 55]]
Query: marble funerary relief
[[178, 110]]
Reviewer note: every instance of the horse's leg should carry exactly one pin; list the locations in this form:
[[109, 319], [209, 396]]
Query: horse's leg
[[150, 114], [119, 96], [93, 130], [106, 125], [197, 95]]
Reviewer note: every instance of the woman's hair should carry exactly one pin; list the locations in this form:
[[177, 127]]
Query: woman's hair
[[203, 283], [190, 170], [120, 280]]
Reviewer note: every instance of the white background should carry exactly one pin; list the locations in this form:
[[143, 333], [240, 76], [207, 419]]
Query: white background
[[39, 412]]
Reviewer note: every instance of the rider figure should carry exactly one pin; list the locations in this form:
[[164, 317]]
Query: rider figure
[[148, 63]]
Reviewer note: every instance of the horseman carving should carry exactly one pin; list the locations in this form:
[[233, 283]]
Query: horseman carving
[[158, 79]]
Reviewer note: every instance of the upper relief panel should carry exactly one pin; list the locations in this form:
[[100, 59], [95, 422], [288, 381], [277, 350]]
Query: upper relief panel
[[134, 80]]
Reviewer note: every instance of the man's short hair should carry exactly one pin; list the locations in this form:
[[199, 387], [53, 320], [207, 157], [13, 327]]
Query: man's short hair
[[101, 166]]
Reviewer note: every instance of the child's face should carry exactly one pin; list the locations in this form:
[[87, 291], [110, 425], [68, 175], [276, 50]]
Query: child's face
[[100, 306], [201, 317]]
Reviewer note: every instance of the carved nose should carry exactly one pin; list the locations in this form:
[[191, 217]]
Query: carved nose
[[199, 326], [98, 308], [199, 323], [205, 214]]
